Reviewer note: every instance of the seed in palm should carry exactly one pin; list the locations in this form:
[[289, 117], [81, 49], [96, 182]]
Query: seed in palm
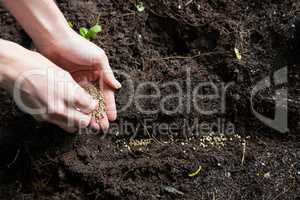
[[96, 93]]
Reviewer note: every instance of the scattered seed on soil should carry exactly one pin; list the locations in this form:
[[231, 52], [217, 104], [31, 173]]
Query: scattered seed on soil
[[190, 46], [142, 142]]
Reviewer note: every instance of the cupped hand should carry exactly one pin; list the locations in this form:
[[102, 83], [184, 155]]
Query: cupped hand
[[86, 62], [44, 90]]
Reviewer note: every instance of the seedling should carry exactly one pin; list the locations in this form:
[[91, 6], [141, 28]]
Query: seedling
[[92, 32], [140, 7]]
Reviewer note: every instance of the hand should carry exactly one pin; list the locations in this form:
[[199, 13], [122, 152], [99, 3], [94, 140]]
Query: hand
[[86, 62], [43, 89]]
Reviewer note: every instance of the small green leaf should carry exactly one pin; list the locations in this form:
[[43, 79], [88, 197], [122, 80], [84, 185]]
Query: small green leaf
[[83, 32], [140, 7], [94, 30]]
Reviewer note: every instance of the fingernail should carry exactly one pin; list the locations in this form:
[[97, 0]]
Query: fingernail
[[118, 84]]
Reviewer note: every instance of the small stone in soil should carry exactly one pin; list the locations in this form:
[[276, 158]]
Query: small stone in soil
[[172, 190]]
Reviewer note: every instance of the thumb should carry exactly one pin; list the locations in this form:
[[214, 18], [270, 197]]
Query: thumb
[[81, 100], [84, 102]]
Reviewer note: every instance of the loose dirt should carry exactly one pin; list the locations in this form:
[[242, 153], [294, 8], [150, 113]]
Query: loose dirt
[[191, 42]]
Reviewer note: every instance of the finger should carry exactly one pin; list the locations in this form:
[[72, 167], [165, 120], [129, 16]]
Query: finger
[[110, 103], [103, 122], [90, 56], [81, 100], [71, 121], [85, 76], [78, 119], [106, 72], [94, 125], [84, 102], [80, 79]]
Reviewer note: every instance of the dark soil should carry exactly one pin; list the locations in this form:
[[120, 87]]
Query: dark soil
[[170, 40]]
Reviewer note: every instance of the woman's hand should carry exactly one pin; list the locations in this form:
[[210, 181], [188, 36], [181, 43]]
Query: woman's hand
[[44, 90], [86, 62], [49, 30]]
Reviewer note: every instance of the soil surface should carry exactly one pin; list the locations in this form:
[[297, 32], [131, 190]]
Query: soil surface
[[191, 42]]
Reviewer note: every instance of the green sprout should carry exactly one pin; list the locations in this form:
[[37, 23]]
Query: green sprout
[[83, 32], [140, 7], [92, 32]]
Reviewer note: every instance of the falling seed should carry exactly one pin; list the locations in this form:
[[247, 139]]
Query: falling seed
[[95, 92]]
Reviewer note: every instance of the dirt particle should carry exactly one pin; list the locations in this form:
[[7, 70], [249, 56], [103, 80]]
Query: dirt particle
[[172, 190], [267, 175]]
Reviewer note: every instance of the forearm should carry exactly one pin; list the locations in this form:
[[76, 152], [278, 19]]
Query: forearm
[[41, 19], [11, 55], [7, 54]]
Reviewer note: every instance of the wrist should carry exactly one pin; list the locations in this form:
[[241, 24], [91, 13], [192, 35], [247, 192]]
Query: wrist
[[10, 53], [51, 34], [6, 59]]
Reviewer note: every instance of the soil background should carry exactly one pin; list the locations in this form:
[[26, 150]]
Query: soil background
[[169, 40]]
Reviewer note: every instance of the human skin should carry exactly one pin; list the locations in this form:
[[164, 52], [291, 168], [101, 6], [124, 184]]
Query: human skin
[[41, 87], [65, 50]]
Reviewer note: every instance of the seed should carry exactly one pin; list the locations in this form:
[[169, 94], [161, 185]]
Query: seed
[[95, 92]]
